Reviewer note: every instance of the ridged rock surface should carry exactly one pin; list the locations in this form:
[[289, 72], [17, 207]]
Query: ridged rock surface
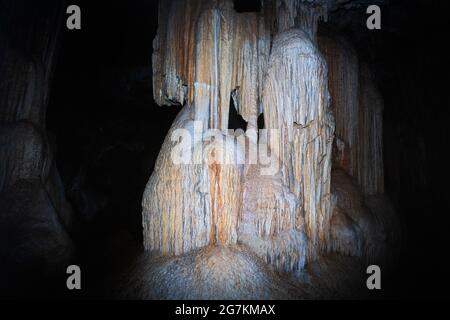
[[188, 206], [35, 215], [268, 62], [230, 58], [270, 226], [302, 115]]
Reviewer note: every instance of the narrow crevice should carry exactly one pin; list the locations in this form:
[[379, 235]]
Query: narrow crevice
[[247, 5], [235, 120], [261, 121]]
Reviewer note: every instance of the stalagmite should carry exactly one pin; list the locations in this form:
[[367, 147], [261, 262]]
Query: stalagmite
[[222, 60], [268, 62], [201, 61], [219, 71], [188, 206], [270, 225], [301, 113]]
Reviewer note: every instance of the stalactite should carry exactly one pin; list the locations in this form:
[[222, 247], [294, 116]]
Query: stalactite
[[173, 51], [246, 65], [231, 54], [208, 57], [268, 62], [302, 114], [301, 14], [223, 58]]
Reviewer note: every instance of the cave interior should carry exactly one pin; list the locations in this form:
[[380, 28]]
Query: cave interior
[[104, 129]]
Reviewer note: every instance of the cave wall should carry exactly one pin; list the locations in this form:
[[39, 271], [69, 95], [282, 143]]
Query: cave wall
[[357, 227], [35, 216], [358, 107], [405, 63]]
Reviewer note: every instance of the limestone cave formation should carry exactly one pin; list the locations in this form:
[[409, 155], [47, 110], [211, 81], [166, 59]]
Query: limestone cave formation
[[220, 149], [322, 112]]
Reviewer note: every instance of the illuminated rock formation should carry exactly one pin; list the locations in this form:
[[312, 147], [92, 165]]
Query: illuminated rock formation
[[271, 226], [306, 127], [268, 62], [188, 206]]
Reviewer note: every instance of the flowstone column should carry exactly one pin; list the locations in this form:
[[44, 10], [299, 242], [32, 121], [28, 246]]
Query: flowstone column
[[301, 113], [283, 217], [268, 62]]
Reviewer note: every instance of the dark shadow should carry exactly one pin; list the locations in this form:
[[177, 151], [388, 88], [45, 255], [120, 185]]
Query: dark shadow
[[247, 5], [235, 120], [261, 121]]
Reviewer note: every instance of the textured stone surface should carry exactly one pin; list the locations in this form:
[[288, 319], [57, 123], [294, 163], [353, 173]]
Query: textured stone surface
[[230, 57], [188, 206], [306, 127], [209, 273], [35, 218], [31, 192], [33, 237], [270, 225], [27, 59], [268, 62]]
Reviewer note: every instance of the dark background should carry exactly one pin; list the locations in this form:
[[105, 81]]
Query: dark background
[[108, 130]]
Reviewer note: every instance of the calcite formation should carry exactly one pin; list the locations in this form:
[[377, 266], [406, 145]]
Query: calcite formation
[[301, 113], [193, 204], [321, 110], [270, 225]]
